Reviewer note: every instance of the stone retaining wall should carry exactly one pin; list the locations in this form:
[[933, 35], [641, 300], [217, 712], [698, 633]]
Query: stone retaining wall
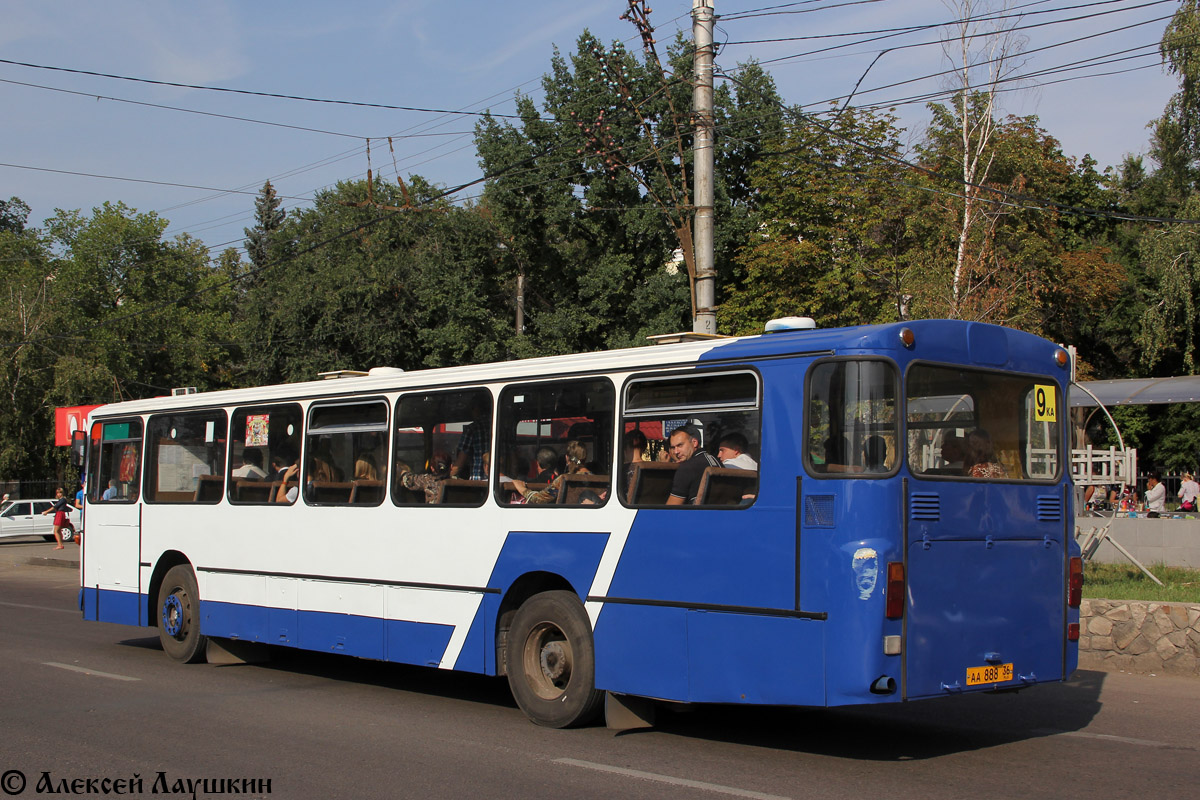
[[1139, 636]]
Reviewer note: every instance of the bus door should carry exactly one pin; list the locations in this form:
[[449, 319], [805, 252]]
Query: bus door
[[111, 570], [986, 549]]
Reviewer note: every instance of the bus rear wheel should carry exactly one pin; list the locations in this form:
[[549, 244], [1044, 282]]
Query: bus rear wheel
[[179, 616], [550, 660]]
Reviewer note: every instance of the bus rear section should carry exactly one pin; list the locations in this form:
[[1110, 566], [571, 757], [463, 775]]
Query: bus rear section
[[988, 545], [986, 589], [937, 489]]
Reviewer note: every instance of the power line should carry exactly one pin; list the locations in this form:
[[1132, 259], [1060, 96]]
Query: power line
[[994, 33], [138, 180], [248, 91], [178, 108], [768, 13], [987, 17]]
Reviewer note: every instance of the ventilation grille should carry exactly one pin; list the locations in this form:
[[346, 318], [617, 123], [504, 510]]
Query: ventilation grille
[[925, 506], [818, 510], [1049, 508]]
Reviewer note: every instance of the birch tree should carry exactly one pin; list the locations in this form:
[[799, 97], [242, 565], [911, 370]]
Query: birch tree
[[984, 53]]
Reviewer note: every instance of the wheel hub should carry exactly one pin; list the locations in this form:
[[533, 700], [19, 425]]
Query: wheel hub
[[172, 615], [555, 664]]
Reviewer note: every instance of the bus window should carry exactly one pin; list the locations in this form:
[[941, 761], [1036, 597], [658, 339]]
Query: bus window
[[982, 425], [442, 448], [113, 468], [264, 441], [345, 454], [185, 457], [555, 443], [852, 421], [720, 410]]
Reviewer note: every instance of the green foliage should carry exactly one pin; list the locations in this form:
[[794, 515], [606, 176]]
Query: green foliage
[[591, 197], [1175, 448], [1027, 265], [99, 309], [13, 214], [268, 217], [1176, 141], [374, 287], [828, 245], [1171, 257]]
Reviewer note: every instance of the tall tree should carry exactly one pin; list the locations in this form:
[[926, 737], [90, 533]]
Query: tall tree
[[828, 245], [982, 51], [368, 287], [268, 219], [590, 197]]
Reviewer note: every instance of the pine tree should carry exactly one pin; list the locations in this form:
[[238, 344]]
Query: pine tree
[[268, 218]]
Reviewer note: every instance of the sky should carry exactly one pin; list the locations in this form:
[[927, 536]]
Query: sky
[[198, 157]]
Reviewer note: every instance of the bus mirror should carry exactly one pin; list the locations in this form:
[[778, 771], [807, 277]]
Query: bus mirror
[[78, 447]]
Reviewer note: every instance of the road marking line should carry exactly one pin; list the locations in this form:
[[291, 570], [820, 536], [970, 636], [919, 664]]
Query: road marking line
[[42, 608], [87, 671], [651, 776], [1108, 737]]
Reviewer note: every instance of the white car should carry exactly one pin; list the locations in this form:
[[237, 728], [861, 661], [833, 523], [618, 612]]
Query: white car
[[25, 518]]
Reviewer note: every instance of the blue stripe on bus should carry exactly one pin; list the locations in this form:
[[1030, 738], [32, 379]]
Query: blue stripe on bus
[[110, 605], [478, 653], [574, 556], [421, 643]]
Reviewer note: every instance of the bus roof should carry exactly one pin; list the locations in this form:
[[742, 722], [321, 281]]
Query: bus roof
[[939, 340]]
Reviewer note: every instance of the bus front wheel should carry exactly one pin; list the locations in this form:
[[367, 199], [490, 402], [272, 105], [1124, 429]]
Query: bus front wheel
[[179, 616], [551, 661]]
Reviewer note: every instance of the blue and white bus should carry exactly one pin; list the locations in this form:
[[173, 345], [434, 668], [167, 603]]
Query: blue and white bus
[[906, 535]]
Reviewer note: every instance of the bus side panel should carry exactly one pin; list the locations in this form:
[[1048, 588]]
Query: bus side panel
[[850, 530], [479, 650], [744, 557], [742, 658], [342, 633], [108, 605], [111, 566], [642, 650], [235, 621]]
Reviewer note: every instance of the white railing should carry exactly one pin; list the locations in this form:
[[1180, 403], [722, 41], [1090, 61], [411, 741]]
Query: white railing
[[1092, 467]]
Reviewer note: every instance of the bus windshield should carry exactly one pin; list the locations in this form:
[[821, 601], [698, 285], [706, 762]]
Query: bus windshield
[[981, 425]]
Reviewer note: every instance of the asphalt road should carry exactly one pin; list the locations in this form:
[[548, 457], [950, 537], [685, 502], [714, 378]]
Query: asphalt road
[[87, 700]]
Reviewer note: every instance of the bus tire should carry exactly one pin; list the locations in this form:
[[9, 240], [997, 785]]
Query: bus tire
[[179, 616], [551, 661]]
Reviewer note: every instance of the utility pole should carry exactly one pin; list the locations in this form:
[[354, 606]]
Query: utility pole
[[702, 168]]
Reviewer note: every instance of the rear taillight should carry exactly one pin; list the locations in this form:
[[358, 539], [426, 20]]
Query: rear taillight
[[1073, 632], [895, 589], [1075, 582]]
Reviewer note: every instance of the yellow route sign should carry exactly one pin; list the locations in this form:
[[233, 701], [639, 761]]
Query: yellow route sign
[[1045, 408]]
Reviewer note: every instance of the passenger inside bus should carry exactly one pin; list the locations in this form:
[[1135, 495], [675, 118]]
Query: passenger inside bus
[[875, 454], [365, 467], [252, 464], [576, 455], [474, 444], [548, 465], [981, 457]]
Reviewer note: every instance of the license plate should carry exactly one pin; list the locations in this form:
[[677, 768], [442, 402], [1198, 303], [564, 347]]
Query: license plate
[[995, 673]]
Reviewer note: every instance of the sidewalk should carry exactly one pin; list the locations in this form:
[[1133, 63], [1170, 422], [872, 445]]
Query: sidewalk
[[33, 551]]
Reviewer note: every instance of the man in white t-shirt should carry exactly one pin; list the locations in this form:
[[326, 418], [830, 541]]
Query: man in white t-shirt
[[251, 467], [732, 452], [1156, 495]]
